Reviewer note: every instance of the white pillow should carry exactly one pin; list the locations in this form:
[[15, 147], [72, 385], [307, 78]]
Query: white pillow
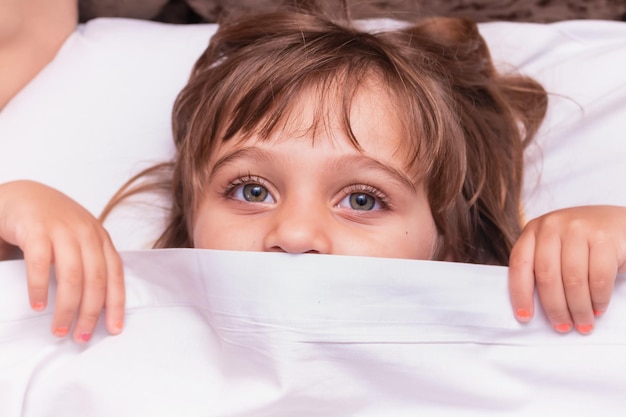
[[578, 156], [101, 111]]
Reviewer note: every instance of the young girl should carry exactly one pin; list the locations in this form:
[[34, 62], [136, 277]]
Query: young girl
[[299, 133]]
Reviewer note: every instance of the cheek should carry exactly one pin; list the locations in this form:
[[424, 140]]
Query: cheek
[[409, 244], [419, 241], [215, 228], [206, 229], [401, 239], [201, 234], [213, 235], [425, 243]]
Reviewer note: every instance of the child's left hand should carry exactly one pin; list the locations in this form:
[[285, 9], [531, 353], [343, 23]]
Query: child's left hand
[[573, 255]]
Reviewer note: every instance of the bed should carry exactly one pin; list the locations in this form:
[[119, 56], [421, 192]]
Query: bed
[[218, 333]]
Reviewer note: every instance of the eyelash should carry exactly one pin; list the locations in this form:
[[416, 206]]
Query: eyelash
[[368, 189], [243, 180], [350, 189]]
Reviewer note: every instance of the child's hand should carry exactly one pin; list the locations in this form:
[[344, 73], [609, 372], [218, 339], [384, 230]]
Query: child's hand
[[573, 255], [50, 228]]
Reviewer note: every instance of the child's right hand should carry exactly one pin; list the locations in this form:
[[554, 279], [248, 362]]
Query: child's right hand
[[51, 228]]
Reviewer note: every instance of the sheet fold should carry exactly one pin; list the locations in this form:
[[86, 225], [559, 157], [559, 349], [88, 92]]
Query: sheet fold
[[218, 333]]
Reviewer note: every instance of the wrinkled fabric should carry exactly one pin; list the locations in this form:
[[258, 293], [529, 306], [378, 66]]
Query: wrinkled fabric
[[218, 333]]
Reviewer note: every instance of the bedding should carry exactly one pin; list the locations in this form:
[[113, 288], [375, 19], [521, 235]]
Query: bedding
[[221, 333], [213, 333]]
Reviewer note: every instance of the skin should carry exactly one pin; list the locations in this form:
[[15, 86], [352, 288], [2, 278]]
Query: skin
[[31, 33], [307, 183], [50, 228], [571, 257]]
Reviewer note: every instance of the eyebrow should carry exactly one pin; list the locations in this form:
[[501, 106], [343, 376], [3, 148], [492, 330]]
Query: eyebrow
[[243, 153], [356, 161], [362, 161]]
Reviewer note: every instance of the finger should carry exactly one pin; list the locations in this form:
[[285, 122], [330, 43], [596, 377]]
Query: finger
[[38, 260], [69, 276], [116, 292], [522, 277], [575, 275], [602, 274], [549, 280], [93, 290]]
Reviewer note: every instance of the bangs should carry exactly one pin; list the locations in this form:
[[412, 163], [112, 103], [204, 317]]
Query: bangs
[[260, 97], [331, 92], [322, 106]]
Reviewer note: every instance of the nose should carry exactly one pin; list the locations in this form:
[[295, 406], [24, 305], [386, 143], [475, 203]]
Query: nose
[[300, 227]]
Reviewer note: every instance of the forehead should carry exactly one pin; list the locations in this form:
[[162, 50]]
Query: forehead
[[365, 118]]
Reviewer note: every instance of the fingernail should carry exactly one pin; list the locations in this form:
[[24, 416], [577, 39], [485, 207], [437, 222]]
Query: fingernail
[[61, 331], [118, 326], [598, 313], [563, 328], [584, 328], [85, 337], [38, 306], [522, 314]]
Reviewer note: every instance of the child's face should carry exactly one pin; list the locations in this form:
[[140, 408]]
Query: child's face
[[298, 194]]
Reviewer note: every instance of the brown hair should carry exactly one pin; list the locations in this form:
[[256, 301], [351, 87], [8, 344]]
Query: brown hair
[[467, 125]]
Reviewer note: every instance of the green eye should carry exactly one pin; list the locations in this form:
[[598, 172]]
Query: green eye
[[254, 193], [360, 201]]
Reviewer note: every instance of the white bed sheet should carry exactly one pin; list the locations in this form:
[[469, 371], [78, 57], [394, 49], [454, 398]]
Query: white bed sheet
[[213, 333]]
